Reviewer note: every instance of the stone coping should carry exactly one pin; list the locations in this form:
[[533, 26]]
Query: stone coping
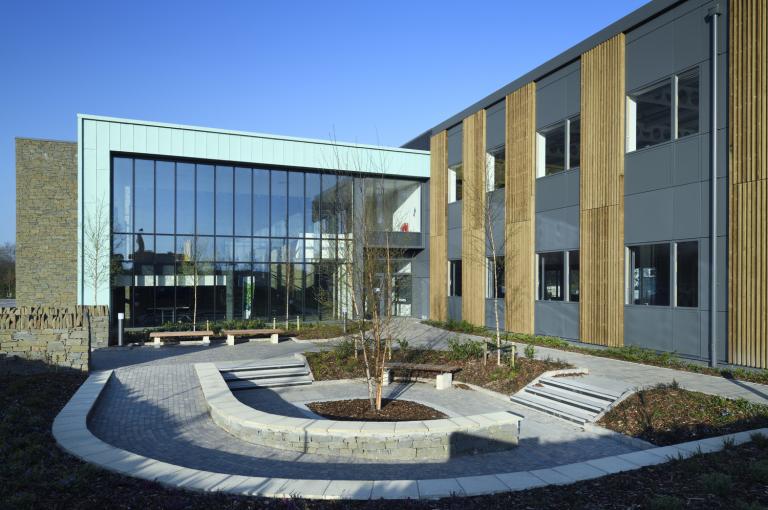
[[405, 440], [71, 433]]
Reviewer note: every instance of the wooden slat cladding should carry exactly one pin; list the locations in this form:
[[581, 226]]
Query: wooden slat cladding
[[438, 227], [520, 276], [748, 184], [601, 279], [473, 220]]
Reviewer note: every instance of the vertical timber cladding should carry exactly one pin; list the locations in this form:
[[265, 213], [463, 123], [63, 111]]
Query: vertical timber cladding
[[438, 228], [473, 258], [748, 184], [601, 306], [519, 275]]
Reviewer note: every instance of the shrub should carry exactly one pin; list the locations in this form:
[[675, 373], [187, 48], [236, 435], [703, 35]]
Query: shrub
[[402, 343], [530, 351], [345, 349], [718, 484], [758, 471], [760, 440], [458, 350], [665, 503]]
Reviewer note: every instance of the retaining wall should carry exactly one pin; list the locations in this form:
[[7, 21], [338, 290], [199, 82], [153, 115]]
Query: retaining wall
[[428, 439], [54, 335]]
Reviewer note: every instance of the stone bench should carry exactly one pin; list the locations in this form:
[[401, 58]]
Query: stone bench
[[159, 336], [443, 380], [428, 439], [273, 334]]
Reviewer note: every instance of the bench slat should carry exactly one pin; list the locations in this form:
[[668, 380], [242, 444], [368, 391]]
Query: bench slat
[[238, 332], [182, 334], [424, 368]]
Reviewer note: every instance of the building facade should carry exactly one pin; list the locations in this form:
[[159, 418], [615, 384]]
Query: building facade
[[615, 195]]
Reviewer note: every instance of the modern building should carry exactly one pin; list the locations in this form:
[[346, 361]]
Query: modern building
[[615, 195]]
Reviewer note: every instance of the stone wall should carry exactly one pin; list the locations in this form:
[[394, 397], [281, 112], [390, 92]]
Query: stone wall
[[46, 223], [56, 336]]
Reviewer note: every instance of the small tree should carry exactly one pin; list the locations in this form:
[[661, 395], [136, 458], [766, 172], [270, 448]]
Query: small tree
[[190, 267], [96, 248], [493, 212]]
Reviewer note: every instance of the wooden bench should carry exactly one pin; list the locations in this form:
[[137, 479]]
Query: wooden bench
[[158, 336], [443, 380], [273, 334]]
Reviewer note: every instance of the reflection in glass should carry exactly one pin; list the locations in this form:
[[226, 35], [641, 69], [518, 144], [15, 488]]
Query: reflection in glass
[[551, 276], [688, 274], [574, 138], [205, 186], [224, 200], [261, 202], [295, 204], [652, 110], [495, 171], [573, 275], [145, 195], [392, 205], [164, 178], [260, 250], [185, 198], [224, 249], [312, 205], [260, 290], [279, 198], [553, 140], [122, 195], [243, 201], [649, 277], [242, 249]]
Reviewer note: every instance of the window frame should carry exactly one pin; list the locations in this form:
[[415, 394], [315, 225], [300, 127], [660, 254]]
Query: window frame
[[540, 275], [452, 280], [630, 144], [541, 154], [628, 300]]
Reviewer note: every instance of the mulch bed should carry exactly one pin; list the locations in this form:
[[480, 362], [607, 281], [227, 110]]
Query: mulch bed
[[667, 414], [330, 365], [360, 409], [35, 473]]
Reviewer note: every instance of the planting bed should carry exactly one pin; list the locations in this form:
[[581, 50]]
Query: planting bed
[[360, 410]]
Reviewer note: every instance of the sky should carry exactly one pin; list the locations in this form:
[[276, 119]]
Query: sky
[[361, 71]]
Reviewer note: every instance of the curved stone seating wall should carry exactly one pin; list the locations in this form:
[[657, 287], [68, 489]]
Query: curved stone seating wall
[[430, 439]]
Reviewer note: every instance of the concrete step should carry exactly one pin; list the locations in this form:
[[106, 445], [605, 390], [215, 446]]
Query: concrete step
[[554, 408], [562, 383], [264, 373], [269, 383], [262, 366], [569, 398]]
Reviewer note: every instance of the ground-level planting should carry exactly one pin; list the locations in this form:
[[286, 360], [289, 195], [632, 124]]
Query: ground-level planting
[[507, 378], [360, 409], [668, 414]]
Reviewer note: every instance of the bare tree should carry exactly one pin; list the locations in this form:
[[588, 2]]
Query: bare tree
[[8, 270], [190, 267], [493, 212], [96, 248]]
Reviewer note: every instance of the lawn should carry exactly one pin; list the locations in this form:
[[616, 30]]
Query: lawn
[[34, 473], [667, 414]]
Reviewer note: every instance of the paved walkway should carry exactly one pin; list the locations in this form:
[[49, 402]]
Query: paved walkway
[[632, 375]]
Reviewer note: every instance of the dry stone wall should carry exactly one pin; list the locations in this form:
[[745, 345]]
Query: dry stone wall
[[53, 335]]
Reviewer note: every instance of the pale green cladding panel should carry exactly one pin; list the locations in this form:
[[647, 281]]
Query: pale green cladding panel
[[99, 137]]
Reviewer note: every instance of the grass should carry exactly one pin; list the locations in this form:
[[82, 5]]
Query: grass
[[340, 363], [667, 414], [34, 473], [628, 353]]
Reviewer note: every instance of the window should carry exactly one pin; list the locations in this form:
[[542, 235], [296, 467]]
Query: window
[[454, 278], [573, 276], [551, 276], [495, 132], [558, 147], [224, 200], [661, 112], [649, 275], [164, 180], [185, 198], [495, 172], [688, 103], [144, 179], [495, 288], [687, 270], [122, 195]]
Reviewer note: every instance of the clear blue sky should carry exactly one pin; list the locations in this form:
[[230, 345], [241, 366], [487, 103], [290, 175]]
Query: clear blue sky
[[371, 72]]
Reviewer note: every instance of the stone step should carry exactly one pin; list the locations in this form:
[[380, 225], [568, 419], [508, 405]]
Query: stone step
[[265, 373], [605, 395], [554, 408], [269, 383], [264, 366], [569, 398]]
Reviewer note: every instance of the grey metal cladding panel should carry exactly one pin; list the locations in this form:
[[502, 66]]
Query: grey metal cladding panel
[[663, 19], [686, 332], [557, 229], [420, 298], [490, 313], [558, 96], [455, 143], [722, 274], [650, 57], [649, 326], [704, 94], [691, 38], [454, 243], [722, 336], [425, 208], [687, 219], [557, 191], [573, 93], [495, 126], [648, 169], [688, 160], [559, 319], [454, 215], [454, 308], [648, 217]]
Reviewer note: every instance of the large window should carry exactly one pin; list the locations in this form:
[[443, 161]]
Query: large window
[[238, 242], [663, 111], [558, 146], [551, 276], [454, 278], [496, 287], [687, 271], [573, 275], [649, 275], [392, 205]]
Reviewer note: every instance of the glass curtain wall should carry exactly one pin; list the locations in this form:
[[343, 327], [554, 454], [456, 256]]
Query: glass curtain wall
[[233, 242]]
